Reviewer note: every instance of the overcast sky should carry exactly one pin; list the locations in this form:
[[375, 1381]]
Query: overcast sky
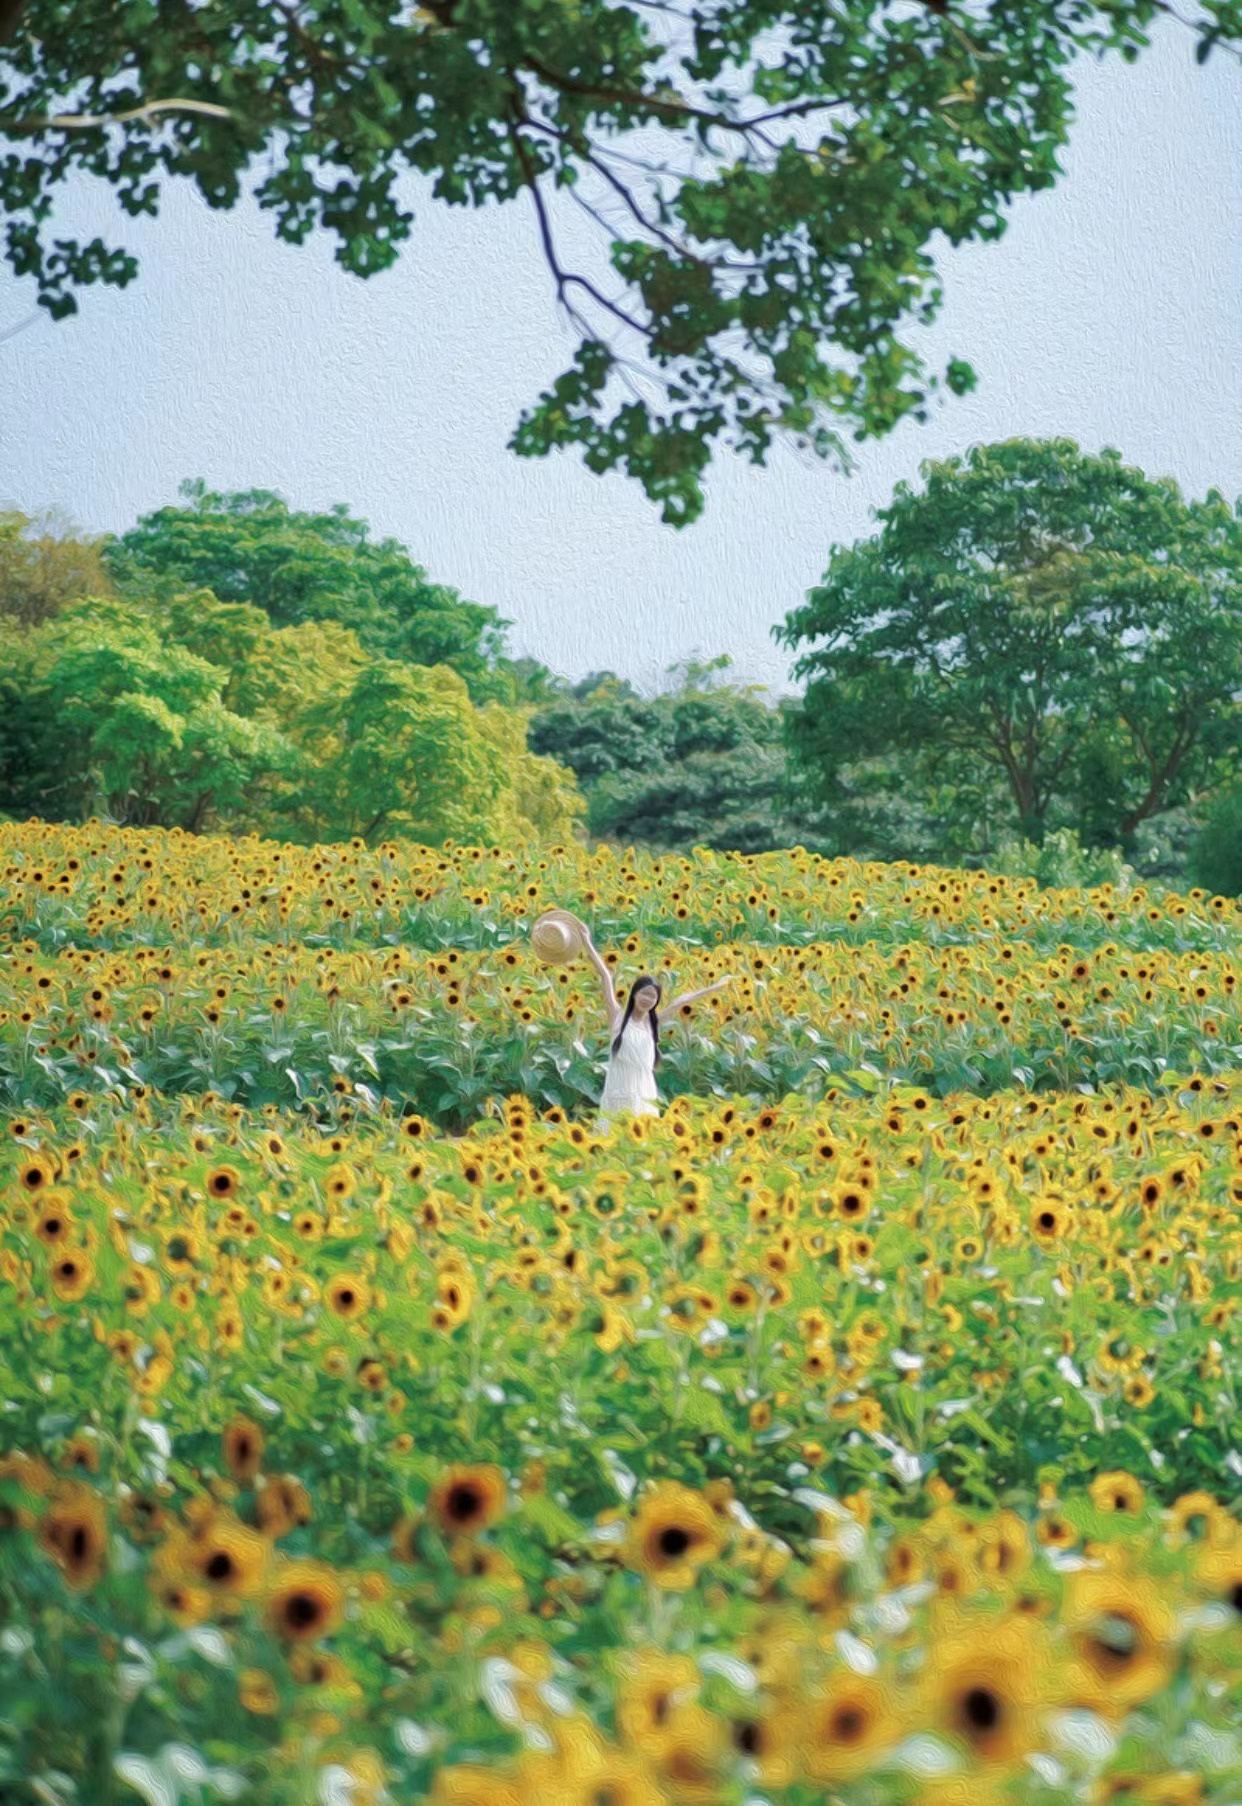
[[1109, 312]]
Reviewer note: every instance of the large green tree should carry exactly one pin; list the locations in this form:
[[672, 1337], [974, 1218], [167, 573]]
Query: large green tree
[[1055, 620], [769, 179], [299, 566], [103, 712]]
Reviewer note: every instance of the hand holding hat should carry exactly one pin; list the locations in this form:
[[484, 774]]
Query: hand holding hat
[[557, 937]]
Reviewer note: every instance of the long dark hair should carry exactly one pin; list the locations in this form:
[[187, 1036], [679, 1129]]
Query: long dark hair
[[652, 1016]]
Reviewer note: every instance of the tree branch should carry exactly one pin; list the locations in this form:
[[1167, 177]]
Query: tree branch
[[56, 122], [563, 278], [675, 109], [1162, 777]]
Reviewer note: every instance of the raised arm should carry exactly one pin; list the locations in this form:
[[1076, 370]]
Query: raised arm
[[605, 979], [693, 996]]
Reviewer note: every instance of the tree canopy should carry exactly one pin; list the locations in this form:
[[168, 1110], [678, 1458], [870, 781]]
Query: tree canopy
[[164, 705], [1037, 617], [768, 180], [45, 562], [250, 546]]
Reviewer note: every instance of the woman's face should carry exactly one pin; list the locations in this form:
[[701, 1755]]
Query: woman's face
[[645, 998]]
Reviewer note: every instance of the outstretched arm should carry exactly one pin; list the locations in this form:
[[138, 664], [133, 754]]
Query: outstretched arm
[[693, 996], [605, 979]]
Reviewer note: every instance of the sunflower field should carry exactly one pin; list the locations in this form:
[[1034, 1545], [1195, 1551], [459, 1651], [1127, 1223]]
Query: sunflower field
[[376, 1430]]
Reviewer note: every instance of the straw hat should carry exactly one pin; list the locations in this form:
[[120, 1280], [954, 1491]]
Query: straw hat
[[556, 937]]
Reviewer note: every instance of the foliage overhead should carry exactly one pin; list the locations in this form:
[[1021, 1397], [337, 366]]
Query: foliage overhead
[[1055, 620], [767, 179]]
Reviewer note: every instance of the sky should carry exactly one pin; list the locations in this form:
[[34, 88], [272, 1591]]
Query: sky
[[1110, 312]]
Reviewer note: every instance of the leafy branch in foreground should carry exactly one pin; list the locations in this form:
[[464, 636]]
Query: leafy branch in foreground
[[767, 179]]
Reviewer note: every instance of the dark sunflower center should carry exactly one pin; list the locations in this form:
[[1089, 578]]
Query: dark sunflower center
[[848, 1724], [981, 1710], [302, 1610], [748, 1738], [79, 1542], [220, 1566], [673, 1541], [464, 1502]]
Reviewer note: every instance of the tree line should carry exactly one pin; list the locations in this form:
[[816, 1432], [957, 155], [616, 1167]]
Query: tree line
[[231, 663], [1036, 642]]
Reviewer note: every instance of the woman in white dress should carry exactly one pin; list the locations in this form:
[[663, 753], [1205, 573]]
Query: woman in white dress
[[634, 1053]]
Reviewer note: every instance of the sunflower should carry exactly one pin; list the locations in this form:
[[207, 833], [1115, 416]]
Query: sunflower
[[312, 1667], [185, 1604], [81, 1452], [1138, 1391], [609, 1328], [846, 1728], [1004, 1547], [454, 1299], [693, 1752], [36, 1172], [1055, 1531], [348, 1295], [242, 1443], [1120, 1632], [1198, 1514], [55, 1225], [1050, 1220], [986, 1687], [466, 1499], [674, 1532], [222, 1554], [72, 1274], [75, 1531], [651, 1686], [1116, 1492], [282, 1504], [1219, 1572], [304, 1601], [223, 1182]]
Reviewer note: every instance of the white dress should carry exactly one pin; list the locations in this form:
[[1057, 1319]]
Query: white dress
[[630, 1083]]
